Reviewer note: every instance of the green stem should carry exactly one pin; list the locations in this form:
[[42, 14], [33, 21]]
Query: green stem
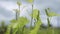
[[48, 22], [16, 15], [46, 11], [19, 24], [31, 17]]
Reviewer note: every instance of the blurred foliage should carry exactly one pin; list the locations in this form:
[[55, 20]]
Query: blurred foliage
[[19, 23], [36, 16], [51, 14], [16, 10], [37, 26], [13, 21], [19, 3], [17, 26], [3, 27], [35, 13], [30, 1]]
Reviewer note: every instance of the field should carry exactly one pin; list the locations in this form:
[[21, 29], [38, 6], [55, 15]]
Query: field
[[46, 31]]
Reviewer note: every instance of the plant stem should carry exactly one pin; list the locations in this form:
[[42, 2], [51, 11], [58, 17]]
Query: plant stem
[[47, 20], [18, 17], [31, 17]]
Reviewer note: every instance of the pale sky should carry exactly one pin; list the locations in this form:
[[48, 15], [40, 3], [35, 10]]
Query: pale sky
[[7, 6]]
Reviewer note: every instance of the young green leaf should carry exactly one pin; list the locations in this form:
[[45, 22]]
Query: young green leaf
[[37, 26], [53, 14], [20, 23], [50, 14], [38, 22], [35, 13]]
